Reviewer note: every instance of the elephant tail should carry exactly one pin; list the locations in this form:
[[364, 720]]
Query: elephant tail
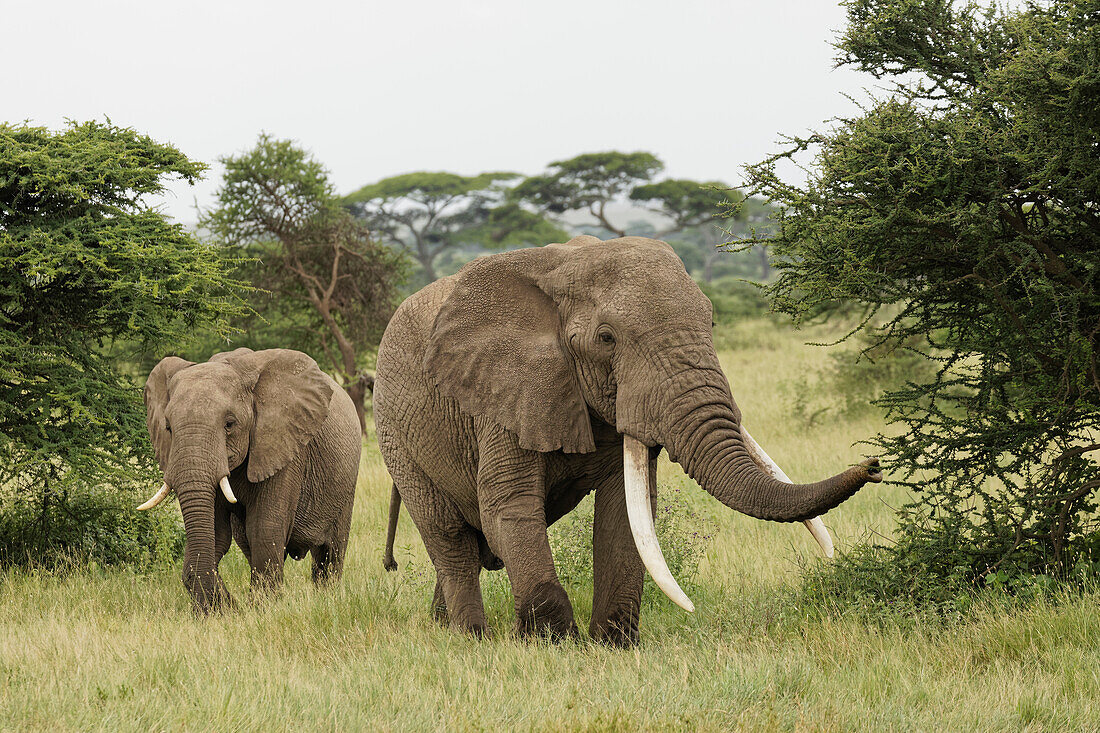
[[391, 531]]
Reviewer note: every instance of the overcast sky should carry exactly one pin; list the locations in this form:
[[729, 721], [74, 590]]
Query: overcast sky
[[380, 88]]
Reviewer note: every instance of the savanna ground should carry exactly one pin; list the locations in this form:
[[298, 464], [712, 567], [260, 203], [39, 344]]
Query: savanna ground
[[117, 650]]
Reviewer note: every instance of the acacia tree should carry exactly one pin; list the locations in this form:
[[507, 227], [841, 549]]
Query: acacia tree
[[592, 181], [967, 203], [427, 213], [711, 209], [327, 279], [588, 182], [92, 278]]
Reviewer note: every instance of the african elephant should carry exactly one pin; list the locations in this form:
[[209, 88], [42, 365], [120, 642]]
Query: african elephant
[[508, 391], [280, 438]]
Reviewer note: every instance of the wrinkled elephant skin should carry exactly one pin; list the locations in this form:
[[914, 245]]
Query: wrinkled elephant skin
[[510, 390], [259, 446]]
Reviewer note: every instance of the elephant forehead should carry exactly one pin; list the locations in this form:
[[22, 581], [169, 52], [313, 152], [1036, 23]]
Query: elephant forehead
[[206, 384], [651, 301], [637, 269]]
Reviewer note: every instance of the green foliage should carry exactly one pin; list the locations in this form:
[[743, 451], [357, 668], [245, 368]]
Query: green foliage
[[429, 213], [91, 276], [588, 181], [928, 573], [734, 299], [682, 532], [966, 203], [87, 527], [324, 286], [856, 379], [511, 225], [687, 203], [699, 213]]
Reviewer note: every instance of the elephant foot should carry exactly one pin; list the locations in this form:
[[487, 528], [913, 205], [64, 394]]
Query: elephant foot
[[439, 606], [217, 601], [477, 631], [620, 630], [546, 612]]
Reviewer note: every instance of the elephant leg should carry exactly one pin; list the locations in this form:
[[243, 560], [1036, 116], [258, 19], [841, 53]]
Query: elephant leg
[[325, 560], [240, 536], [618, 571], [452, 546], [512, 498], [453, 551], [439, 603], [223, 539], [328, 559], [267, 526]]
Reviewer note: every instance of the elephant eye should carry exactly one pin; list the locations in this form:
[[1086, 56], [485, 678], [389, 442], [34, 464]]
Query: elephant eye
[[168, 427], [606, 337], [230, 423]]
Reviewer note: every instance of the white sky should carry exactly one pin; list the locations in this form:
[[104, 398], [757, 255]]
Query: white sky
[[380, 88]]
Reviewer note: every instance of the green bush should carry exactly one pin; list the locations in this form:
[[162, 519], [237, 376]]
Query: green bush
[[735, 299], [682, 532], [855, 380], [928, 573], [90, 524], [961, 208], [92, 281]]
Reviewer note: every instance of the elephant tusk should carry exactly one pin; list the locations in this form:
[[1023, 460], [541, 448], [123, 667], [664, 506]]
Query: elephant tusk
[[156, 498], [638, 483], [821, 534], [224, 483], [816, 526]]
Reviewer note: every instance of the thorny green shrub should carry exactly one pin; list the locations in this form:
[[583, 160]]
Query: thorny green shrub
[[93, 524], [853, 382], [963, 205], [682, 532], [92, 280]]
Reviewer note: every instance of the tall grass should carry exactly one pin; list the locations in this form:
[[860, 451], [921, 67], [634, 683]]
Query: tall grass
[[111, 649]]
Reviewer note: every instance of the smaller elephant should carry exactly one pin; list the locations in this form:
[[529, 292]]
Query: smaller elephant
[[279, 438]]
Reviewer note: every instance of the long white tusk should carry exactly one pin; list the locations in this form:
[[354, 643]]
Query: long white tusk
[[821, 534], [156, 498], [224, 483], [815, 525], [639, 511]]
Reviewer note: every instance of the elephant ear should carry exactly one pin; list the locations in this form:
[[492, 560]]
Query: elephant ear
[[496, 348], [290, 397], [156, 400]]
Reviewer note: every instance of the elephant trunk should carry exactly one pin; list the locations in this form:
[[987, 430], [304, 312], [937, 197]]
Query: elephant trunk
[[196, 489], [705, 436]]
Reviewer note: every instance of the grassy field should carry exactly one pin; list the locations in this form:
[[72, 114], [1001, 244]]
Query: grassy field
[[115, 650]]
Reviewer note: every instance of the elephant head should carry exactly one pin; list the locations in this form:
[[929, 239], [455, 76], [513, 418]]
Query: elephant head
[[541, 340], [256, 409]]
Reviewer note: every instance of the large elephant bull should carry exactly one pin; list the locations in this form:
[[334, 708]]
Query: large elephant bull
[[507, 392]]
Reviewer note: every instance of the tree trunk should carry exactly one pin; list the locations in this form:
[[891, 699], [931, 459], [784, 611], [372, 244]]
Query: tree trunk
[[425, 261], [708, 268], [765, 266], [355, 385], [357, 391]]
